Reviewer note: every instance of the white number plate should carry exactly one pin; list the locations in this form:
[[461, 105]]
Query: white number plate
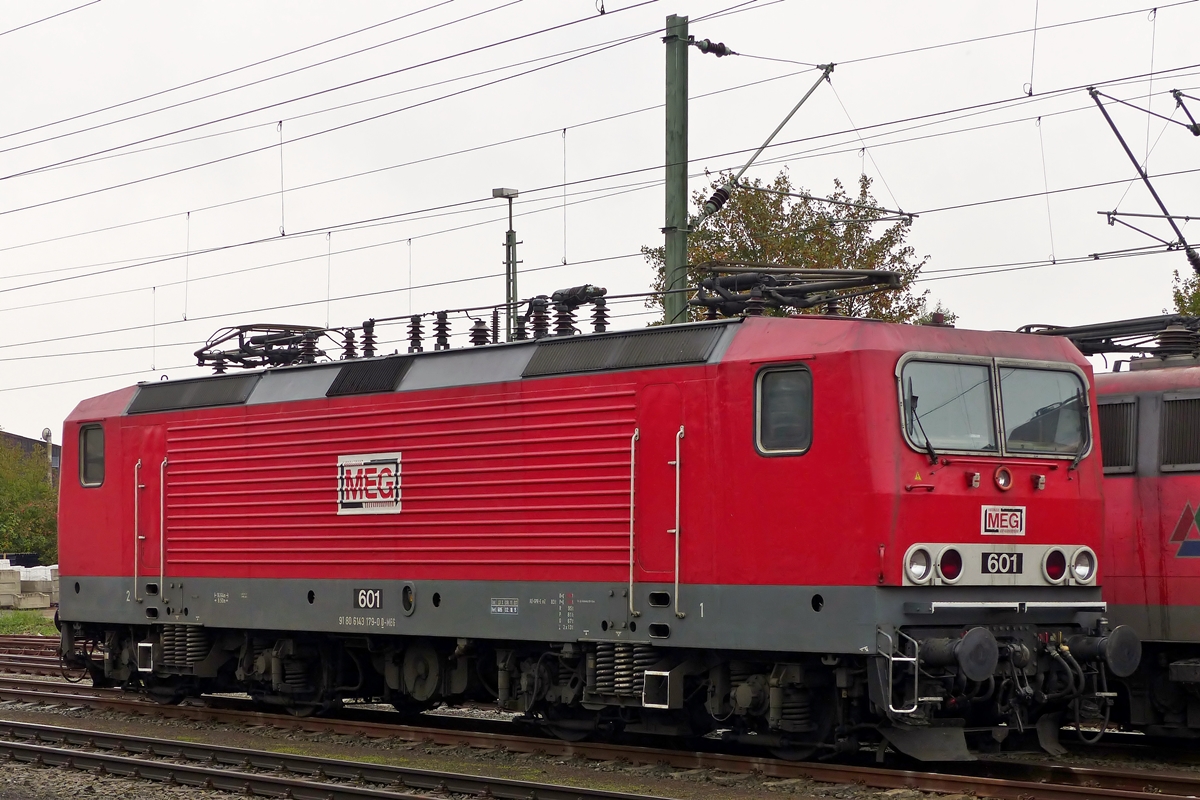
[[1002, 564]]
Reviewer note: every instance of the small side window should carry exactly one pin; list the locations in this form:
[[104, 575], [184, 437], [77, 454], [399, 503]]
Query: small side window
[[783, 418], [91, 455]]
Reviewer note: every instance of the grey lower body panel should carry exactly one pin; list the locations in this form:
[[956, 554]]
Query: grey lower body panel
[[1158, 622], [822, 619]]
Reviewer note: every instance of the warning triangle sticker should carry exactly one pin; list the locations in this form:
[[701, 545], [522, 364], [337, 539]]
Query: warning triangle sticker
[[917, 477]]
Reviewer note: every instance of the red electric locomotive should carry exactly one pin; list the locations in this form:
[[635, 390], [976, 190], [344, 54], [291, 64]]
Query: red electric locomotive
[[810, 532], [1150, 427]]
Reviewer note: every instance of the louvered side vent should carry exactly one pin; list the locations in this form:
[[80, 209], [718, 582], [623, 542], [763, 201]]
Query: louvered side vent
[[227, 390], [623, 351], [1181, 434], [1118, 436], [367, 377]]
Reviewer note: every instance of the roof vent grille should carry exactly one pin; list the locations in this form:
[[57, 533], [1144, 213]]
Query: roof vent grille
[[369, 377]]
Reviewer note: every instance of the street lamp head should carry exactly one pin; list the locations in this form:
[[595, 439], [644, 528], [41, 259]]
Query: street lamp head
[[506, 193]]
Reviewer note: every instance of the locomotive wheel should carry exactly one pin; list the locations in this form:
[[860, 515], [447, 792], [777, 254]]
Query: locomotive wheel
[[302, 711], [568, 727], [797, 752]]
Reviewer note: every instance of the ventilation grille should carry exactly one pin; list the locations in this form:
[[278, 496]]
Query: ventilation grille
[[1118, 436], [623, 351], [197, 393], [366, 377], [1181, 434]]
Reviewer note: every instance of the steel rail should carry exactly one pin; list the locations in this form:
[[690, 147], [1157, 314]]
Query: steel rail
[[999, 779], [309, 768]]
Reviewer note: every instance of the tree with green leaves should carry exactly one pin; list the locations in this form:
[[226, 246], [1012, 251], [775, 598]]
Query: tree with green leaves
[[28, 504], [1186, 294], [777, 227]]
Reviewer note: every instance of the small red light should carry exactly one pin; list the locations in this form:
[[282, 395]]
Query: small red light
[[950, 565], [1056, 565]]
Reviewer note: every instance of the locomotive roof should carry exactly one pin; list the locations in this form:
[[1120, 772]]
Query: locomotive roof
[[710, 342], [1149, 380]]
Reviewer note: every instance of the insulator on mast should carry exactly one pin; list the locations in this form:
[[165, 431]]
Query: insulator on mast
[[441, 331], [414, 334], [348, 349], [719, 198], [717, 49], [368, 340]]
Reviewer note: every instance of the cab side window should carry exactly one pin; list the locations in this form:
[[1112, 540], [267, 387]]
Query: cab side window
[[783, 411], [91, 455]]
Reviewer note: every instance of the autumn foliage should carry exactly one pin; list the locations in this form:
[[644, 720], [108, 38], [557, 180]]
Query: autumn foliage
[[771, 227]]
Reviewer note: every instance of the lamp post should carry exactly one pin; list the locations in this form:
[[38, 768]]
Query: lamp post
[[510, 264], [48, 438]]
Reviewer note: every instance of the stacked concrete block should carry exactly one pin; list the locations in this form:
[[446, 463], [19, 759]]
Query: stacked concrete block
[[28, 587], [10, 587]]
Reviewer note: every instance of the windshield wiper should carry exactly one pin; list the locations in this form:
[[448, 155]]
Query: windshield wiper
[[912, 398]]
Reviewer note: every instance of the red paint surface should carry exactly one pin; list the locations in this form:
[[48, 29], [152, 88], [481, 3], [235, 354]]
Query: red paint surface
[[1142, 514], [530, 480]]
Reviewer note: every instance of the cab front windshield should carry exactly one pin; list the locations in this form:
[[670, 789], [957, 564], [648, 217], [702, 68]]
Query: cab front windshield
[[952, 406]]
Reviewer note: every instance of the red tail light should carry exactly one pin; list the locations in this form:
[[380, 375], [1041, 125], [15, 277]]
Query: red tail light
[[950, 564], [1056, 565]]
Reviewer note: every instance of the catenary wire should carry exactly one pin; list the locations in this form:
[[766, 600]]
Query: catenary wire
[[318, 93], [47, 19], [222, 74]]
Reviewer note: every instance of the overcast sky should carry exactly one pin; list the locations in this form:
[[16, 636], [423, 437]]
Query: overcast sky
[[134, 133]]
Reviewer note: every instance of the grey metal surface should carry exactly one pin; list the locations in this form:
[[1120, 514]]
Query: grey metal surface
[[293, 383], [776, 618], [467, 367]]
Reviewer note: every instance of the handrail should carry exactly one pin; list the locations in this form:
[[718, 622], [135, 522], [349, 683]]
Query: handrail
[[162, 530], [677, 463], [632, 489], [137, 537]]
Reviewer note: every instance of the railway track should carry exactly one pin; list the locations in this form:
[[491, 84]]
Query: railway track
[[31, 655], [259, 772], [999, 779]]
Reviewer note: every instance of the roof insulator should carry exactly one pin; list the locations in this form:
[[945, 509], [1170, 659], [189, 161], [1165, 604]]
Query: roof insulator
[[600, 315], [368, 340], [441, 331], [414, 334], [479, 333]]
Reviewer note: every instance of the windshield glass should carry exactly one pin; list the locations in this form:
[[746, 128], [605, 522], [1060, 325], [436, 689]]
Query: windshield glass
[[950, 403], [1043, 410]]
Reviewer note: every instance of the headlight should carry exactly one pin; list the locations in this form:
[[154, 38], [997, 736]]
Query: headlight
[[919, 566], [1054, 565], [950, 565], [1083, 565], [1003, 478]]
